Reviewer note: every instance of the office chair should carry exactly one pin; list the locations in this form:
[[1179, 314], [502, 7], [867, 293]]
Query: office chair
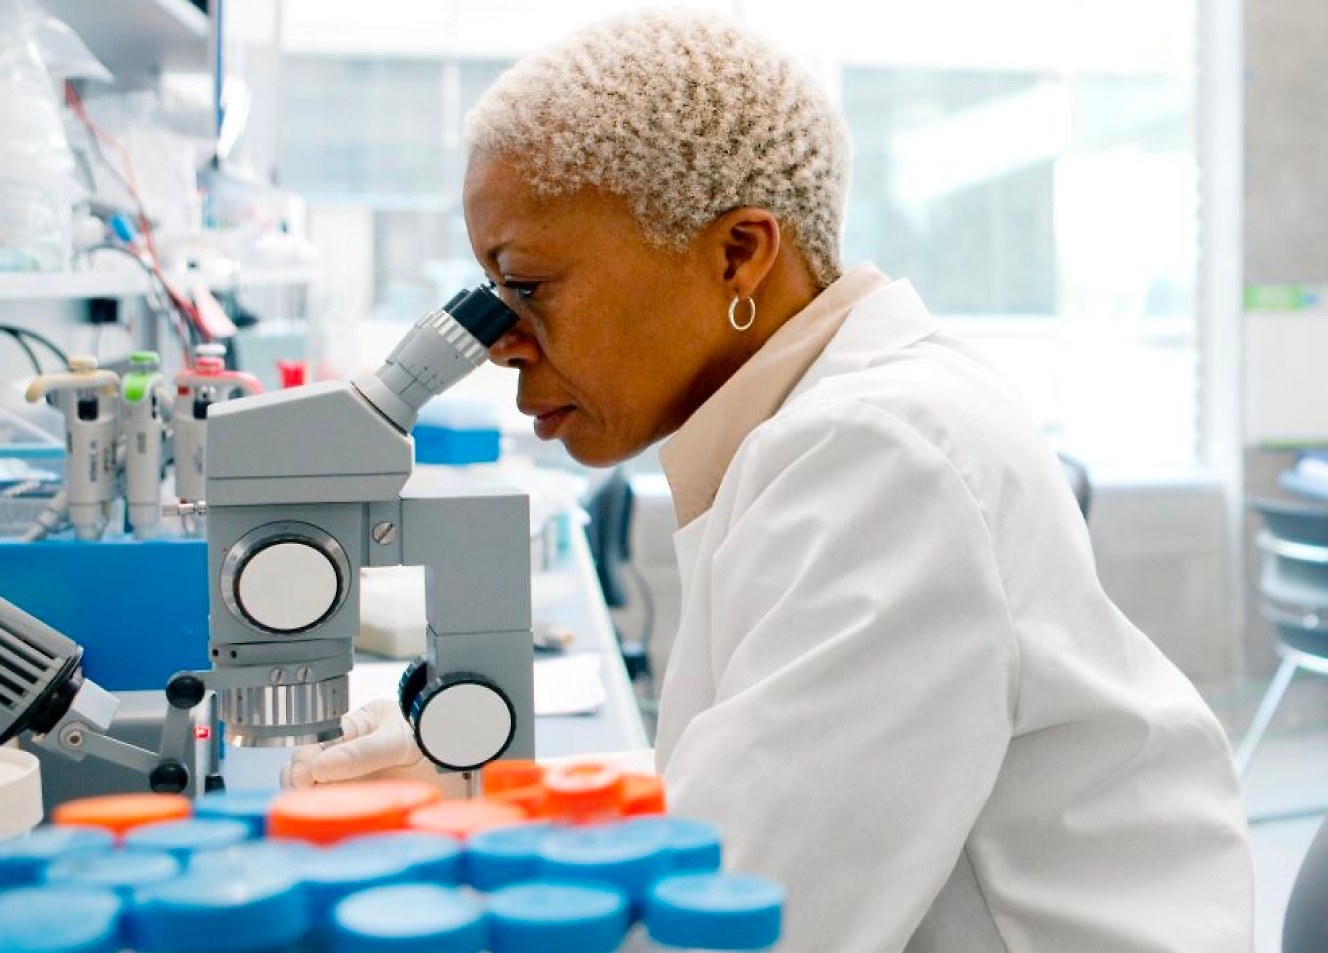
[[1076, 474], [1304, 930], [610, 534], [1293, 585]]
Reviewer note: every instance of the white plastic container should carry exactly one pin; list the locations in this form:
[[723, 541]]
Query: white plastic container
[[20, 792]]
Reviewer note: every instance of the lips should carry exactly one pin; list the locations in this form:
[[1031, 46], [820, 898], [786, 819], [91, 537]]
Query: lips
[[548, 420]]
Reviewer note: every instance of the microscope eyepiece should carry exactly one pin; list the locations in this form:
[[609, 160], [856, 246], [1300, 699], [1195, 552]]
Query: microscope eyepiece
[[483, 314], [443, 347]]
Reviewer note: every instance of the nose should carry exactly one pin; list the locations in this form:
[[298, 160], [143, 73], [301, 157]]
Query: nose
[[515, 349]]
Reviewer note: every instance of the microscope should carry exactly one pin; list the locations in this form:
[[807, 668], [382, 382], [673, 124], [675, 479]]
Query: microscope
[[305, 487]]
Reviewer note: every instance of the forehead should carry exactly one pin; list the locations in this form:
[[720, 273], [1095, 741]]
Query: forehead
[[504, 213]]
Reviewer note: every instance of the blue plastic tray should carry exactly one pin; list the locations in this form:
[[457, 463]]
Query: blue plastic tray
[[138, 608]]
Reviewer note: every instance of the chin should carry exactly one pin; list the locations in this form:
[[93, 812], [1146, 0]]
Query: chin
[[593, 453], [594, 456]]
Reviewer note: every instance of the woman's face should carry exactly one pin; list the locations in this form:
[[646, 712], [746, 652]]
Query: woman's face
[[618, 341]]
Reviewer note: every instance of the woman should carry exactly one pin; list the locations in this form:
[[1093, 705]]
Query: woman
[[898, 686]]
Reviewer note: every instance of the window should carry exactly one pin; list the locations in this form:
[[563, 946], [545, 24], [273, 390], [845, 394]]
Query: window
[[1030, 166], [1052, 217]]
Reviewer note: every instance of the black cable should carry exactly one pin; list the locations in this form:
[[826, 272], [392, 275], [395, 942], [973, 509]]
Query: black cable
[[27, 349], [41, 339], [183, 327]]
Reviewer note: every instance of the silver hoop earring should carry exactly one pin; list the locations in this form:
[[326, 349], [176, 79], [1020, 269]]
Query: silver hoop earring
[[751, 314]]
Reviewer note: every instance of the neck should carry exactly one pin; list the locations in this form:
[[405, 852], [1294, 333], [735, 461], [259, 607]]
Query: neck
[[787, 289]]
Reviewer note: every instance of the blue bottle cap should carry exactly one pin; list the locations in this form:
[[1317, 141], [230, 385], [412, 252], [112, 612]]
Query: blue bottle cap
[[251, 807], [124, 871], [715, 911], [23, 859], [694, 846], [504, 855], [331, 874], [60, 920], [184, 838], [431, 858], [627, 856], [544, 917], [409, 918], [253, 855], [210, 912]]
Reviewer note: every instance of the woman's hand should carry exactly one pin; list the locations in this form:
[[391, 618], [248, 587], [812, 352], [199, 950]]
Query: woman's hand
[[376, 742]]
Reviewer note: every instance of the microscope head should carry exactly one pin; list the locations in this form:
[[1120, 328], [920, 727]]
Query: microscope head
[[303, 490]]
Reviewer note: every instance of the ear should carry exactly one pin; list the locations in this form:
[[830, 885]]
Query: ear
[[746, 244]]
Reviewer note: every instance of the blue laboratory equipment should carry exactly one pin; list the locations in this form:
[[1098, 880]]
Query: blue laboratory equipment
[[429, 858], [542, 917], [125, 871], [715, 912], [407, 919], [182, 839], [627, 857], [60, 920], [505, 855], [249, 807], [207, 912], [24, 859]]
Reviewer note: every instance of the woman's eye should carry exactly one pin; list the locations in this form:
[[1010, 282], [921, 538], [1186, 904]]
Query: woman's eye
[[524, 290]]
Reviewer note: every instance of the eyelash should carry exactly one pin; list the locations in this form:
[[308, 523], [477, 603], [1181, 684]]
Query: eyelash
[[525, 290]]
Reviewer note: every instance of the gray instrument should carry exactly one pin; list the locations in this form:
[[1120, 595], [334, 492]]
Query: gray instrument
[[306, 487]]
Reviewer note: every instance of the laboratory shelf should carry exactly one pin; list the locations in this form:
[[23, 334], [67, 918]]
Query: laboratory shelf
[[139, 38], [75, 285]]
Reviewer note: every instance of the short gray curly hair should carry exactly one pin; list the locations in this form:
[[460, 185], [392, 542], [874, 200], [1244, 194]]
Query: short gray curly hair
[[686, 116]]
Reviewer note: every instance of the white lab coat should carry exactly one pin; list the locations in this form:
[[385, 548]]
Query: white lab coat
[[900, 690]]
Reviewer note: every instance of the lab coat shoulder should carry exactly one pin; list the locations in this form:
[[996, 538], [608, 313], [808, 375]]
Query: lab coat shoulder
[[839, 485]]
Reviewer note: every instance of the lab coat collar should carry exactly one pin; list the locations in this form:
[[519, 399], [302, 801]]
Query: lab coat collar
[[887, 321], [854, 323], [697, 456]]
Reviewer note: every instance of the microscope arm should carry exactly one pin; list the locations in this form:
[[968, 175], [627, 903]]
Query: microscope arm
[[45, 695], [470, 699]]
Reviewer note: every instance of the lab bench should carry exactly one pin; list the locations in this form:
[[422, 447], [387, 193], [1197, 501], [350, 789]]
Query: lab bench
[[617, 725], [566, 597]]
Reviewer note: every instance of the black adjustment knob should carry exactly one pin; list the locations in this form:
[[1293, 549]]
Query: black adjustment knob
[[463, 721], [169, 777], [413, 680], [185, 691]]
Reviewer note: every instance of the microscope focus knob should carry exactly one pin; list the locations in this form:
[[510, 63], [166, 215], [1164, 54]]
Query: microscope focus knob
[[285, 577], [463, 721], [413, 681]]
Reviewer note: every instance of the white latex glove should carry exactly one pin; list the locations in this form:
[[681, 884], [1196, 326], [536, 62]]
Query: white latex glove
[[376, 742]]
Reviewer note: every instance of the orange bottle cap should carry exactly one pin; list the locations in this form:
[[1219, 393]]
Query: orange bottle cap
[[122, 812], [330, 813], [578, 791], [534, 799], [499, 776], [642, 794], [411, 794], [460, 819]]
